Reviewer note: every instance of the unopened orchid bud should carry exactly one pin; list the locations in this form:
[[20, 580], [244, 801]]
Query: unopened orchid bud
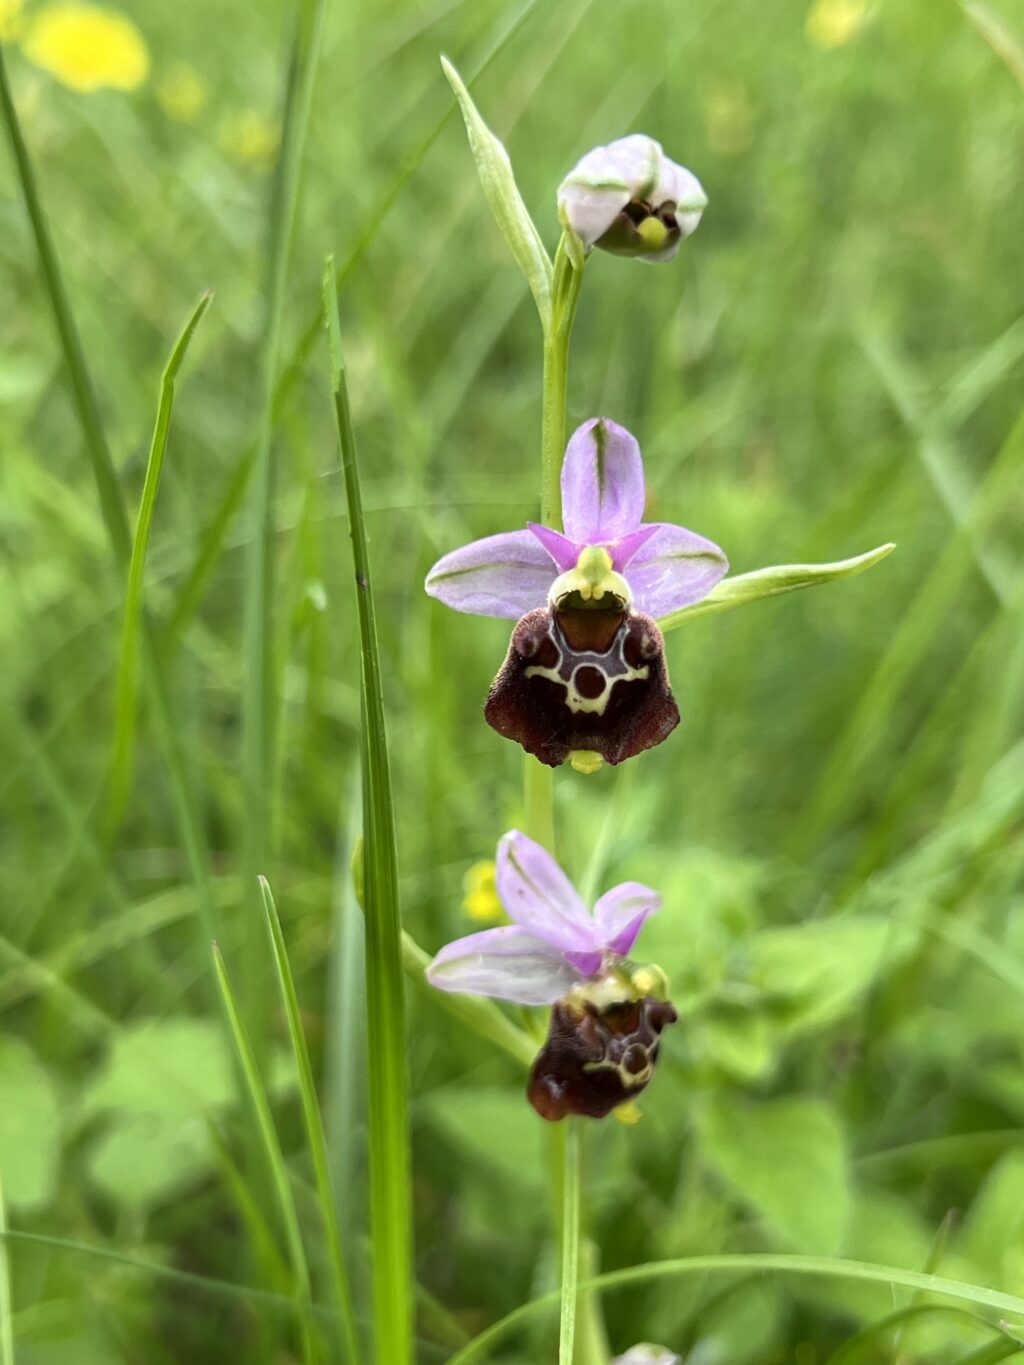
[[630, 199]]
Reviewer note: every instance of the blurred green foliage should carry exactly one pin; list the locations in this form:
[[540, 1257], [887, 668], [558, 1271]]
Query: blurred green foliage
[[834, 361]]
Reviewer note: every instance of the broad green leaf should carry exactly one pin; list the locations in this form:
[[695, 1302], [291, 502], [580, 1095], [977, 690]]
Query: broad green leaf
[[815, 971], [743, 1042], [743, 1326], [494, 1127], [787, 1159], [992, 1237], [29, 1128], [499, 185], [751, 587], [142, 1159], [169, 1066], [881, 1227]]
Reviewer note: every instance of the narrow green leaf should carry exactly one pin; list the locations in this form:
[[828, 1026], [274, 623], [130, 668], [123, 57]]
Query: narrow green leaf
[[1004, 41], [499, 184], [314, 1126], [751, 587], [260, 669], [112, 506], [260, 1103], [740, 1263], [6, 1305], [387, 1082], [128, 673]]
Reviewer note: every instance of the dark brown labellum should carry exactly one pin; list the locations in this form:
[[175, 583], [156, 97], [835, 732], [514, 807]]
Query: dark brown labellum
[[583, 679], [596, 1059]]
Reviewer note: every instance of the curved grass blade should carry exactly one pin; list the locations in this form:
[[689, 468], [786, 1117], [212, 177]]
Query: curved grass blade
[[272, 1150], [387, 1083], [822, 1266], [314, 1126], [751, 587], [128, 673], [260, 683], [6, 1304], [203, 1284], [112, 507]]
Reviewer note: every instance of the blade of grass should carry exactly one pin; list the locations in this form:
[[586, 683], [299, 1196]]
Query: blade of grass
[[111, 505], [127, 676], [390, 1195], [259, 683], [187, 1279], [314, 1126], [6, 1304], [212, 542], [260, 1104], [815, 1266]]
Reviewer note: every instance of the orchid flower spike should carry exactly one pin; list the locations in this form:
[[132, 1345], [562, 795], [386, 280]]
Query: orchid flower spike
[[585, 676], [630, 199], [608, 1015]]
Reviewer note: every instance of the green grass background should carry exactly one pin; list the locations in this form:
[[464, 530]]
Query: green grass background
[[834, 361]]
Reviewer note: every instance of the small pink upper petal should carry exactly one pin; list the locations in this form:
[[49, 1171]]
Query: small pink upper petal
[[562, 550], [505, 575], [506, 962], [674, 568], [540, 897], [624, 551], [620, 915], [602, 483]]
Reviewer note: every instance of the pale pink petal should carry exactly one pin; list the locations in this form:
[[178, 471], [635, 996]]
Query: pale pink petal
[[507, 963], [673, 569], [602, 483], [561, 549], [505, 575], [620, 915], [540, 897]]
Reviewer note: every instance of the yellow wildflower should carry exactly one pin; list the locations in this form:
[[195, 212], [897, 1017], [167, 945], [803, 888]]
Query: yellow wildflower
[[831, 23], [480, 894], [10, 14], [249, 136], [629, 1113], [88, 48], [728, 118], [182, 93]]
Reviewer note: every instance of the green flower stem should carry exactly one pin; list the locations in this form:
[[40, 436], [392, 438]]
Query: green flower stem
[[538, 780], [570, 1243]]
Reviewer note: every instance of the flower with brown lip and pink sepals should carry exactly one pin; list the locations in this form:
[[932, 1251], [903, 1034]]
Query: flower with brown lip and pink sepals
[[608, 1014], [585, 671]]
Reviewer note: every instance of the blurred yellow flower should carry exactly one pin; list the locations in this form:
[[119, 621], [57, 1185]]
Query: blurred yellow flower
[[10, 13], [728, 118], [831, 23], [249, 136], [88, 48], [480, 894], [182, 93], [629, 1113]]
